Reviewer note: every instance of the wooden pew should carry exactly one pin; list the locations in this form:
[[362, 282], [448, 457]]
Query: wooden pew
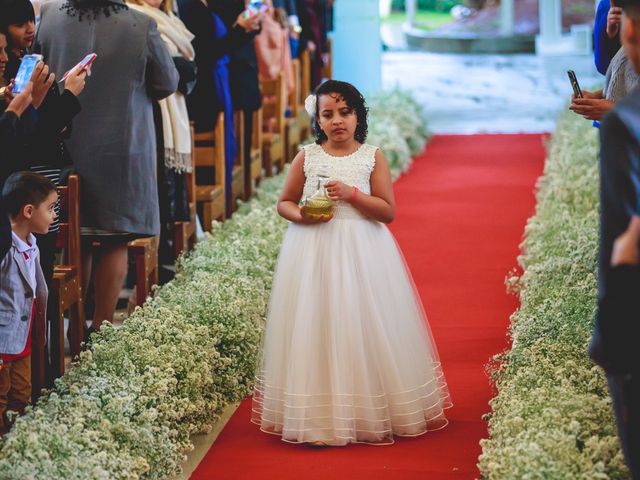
[[254, 168], [292, 128], [237, 177], [184, 233], [327, 69], [209, 154], [304, 121], [144, 252], [66, 286], [273, 137]]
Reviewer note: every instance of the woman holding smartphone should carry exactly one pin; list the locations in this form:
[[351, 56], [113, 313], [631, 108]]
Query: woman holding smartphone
[[113, 145], [48, 123]]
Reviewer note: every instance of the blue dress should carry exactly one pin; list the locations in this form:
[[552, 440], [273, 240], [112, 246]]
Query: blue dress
[[604, 48]]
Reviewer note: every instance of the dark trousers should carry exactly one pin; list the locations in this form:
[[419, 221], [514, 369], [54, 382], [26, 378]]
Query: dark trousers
[[47, 247], [625, 394]]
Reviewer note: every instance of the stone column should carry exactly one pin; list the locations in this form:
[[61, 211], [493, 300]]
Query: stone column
[[550, 20], [411, 7], [357, 46], [506, 17]]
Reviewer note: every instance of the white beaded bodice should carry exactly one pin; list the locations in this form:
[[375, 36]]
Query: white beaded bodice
[[354, 170]]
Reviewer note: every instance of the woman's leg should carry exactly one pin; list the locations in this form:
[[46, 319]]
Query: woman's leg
[[109, 271]]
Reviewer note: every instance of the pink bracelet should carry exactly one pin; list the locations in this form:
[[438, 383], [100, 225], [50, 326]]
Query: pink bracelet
[[353, 194]]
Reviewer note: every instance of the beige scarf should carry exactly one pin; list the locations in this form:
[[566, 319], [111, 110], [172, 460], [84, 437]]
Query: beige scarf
[[175, 118]]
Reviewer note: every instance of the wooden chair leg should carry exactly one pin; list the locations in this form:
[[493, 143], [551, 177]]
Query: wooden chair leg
[[38, 361], [267, 162], [76, 328], [142, 280], [207, 216], [57, 341]]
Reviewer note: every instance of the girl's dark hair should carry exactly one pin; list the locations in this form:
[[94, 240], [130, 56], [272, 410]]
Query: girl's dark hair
[[354, 100], [15, 12], [25, 188]]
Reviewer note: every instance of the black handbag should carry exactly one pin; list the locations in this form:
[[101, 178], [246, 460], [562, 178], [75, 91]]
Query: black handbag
[[187, 71]]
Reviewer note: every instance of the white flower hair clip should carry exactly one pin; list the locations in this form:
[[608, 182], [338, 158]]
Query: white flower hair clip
[[310, 105]]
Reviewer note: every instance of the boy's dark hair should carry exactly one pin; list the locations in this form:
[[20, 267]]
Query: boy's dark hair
[[15, 12], [354, 100], [25, 188], [630, 7]]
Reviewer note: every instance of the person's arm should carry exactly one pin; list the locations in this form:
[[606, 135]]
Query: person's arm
[[13, 122], [57, 111], [5, 230], [162, 76], [624, 150], [380, 205], [288, 202], [602, 44]]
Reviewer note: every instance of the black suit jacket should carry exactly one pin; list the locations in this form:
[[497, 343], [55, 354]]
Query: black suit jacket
[[614, 345]]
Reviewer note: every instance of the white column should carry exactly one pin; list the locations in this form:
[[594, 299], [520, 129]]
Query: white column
[[550, 20], [357, 46], [411, 8], [506, 17]]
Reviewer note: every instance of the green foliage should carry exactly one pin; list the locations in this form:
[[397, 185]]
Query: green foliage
[[552, 417], [435, 5]]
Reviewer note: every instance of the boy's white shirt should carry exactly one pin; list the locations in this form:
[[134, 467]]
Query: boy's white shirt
[[32, 254]]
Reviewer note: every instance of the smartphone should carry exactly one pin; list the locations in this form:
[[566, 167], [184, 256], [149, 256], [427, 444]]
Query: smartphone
[[23, 77], [577, 92], [254, 7], [82, 64]]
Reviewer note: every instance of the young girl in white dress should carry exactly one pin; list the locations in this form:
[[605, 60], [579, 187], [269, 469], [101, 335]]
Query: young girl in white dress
[[348, 355]]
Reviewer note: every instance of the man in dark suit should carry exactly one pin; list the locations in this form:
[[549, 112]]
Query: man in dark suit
[[614, 345]]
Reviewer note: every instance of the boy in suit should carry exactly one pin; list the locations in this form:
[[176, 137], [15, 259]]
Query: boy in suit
[[614, 345], [29, 199]]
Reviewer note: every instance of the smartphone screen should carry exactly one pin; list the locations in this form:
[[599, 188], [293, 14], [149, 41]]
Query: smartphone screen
[[577, 91], [254, 7], [25, 71]]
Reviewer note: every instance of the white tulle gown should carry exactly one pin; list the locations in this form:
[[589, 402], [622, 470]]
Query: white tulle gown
[[348, 355]]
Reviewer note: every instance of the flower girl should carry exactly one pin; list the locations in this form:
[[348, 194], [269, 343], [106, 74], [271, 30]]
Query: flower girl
[[348, 355]]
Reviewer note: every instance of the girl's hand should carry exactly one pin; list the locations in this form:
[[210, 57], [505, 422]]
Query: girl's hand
[[308, 220], [42, 82], [614, 19], [338, 191]]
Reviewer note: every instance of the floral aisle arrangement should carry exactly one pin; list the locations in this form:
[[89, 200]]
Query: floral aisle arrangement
[[127, 408], [397, 124], [552, 416]]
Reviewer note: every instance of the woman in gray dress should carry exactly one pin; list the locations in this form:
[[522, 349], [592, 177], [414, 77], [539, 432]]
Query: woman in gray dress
[[113, 142]]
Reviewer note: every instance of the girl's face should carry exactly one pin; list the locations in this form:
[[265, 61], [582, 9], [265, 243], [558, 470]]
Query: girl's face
[[22, 35], [335, 118], [154, 3], [4, 58]]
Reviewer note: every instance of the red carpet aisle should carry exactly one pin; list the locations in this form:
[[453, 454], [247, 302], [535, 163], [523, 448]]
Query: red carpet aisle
[[461, 214]]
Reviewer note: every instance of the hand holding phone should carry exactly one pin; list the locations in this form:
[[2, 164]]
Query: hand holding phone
[[254, 7], [577, 91], [27, 66], [84, 64]]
